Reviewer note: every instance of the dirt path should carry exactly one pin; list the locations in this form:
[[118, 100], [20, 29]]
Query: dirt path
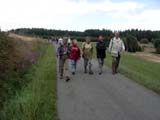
[[148, 56], [105, 97], [148, 53]]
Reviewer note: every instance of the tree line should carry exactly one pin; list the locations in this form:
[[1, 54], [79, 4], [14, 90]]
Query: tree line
[[131, 37]]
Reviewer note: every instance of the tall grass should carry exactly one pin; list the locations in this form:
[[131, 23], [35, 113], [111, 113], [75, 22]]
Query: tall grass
[[37, 101], [16, 57]]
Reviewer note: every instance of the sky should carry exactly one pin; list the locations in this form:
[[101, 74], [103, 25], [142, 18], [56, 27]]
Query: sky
[[80, 15]]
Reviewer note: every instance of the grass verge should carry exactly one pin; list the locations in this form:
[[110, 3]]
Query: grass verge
[[37, 101], [142, 71]]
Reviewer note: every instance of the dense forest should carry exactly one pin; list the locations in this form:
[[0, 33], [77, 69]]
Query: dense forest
[[139, 34], [131, 37]]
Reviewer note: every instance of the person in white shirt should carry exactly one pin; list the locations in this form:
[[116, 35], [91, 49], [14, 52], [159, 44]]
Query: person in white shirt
[[69, 41], [60, 41], [116, 46]]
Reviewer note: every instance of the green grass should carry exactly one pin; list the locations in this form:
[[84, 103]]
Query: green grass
[[37, 101], [142, 71]]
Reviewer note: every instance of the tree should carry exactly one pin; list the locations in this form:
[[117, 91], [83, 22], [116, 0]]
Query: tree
[[47, 33], [157, 45], [144, 41], [132, 44]]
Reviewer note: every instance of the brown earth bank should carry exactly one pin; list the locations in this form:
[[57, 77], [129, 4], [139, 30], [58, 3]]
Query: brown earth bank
[[25, 49], [148, 53], [16, 52], [148, 56]]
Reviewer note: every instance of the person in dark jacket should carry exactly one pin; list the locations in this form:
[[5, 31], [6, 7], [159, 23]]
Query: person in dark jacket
[[63, 53], [101, 53]]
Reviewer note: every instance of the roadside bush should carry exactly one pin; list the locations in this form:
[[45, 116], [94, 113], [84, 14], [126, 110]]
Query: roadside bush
[[125, 43], [131, 44], [144, 41], [158, 49], [157, 45], [93, 39], [37, 100], [6, 52], [82, 39], [16, 58], [156, 42]]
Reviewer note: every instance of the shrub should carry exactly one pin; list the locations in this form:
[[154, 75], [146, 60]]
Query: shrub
[[157, 45], [16, 57], [125, 43], [6, 52], [82, 39], [132, 44], [158, 49], [144, 41]]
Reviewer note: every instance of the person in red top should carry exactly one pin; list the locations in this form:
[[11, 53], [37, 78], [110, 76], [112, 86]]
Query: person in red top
[[74, 55]]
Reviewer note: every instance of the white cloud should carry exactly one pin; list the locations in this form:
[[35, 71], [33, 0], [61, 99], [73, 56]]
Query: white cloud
[[147, 19], [64, 13]]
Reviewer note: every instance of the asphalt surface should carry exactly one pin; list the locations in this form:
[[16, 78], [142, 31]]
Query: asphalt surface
[[105, 97]]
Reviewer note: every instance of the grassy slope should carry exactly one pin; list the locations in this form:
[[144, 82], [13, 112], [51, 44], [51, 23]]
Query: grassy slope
[[16, 58], [38, 100], [140, 70]]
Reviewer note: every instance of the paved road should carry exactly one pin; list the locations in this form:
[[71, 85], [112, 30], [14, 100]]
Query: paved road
[[105, 97]]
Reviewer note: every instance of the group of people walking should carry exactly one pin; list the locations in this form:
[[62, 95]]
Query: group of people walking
[[69, 53]]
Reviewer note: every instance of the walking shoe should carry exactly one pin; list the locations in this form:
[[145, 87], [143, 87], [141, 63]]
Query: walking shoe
[[85, 71], [73, 73], [61, 77], [91, 73], [113, 73], [100, 73], [67, 79]]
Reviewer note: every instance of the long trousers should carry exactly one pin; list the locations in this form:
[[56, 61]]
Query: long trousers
[[88, 64], [73, 65], [115, 63], [63, 67], [100, 63]]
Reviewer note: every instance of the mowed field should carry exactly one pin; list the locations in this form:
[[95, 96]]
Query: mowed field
[[139, 69]]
